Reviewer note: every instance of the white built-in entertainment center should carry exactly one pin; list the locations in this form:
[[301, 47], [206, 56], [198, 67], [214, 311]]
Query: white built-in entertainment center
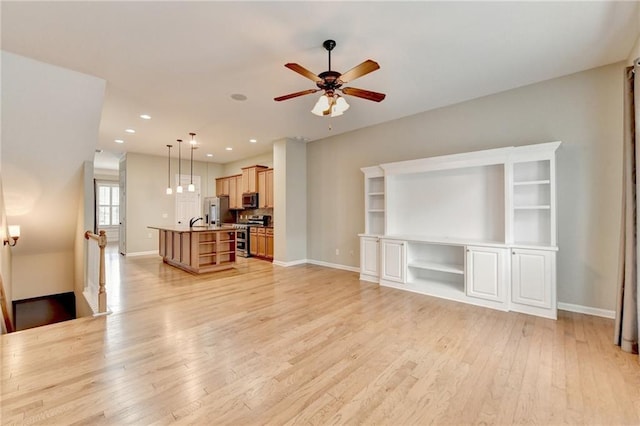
[[476, 227]]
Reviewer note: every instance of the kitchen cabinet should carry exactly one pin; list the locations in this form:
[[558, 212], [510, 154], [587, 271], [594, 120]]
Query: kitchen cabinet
[[261, 242], [485, 273], [239, 191], [253, 241], [222, 187], [235, 192], [250, 178], [269, 243], [265, 188], [207, 249], [393, 255]]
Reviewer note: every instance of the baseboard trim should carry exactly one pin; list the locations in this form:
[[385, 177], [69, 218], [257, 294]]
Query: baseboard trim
[[318, 263], [333, 265], [579, 309], [292, 263], [141, 253]]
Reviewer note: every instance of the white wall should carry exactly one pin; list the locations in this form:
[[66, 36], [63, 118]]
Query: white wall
[[635, 51], [50, 120], [5, 262], [147, 202], [43, 274], [583, 110]]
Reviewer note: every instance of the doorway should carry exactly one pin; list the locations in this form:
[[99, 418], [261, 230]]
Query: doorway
[[188, 204]]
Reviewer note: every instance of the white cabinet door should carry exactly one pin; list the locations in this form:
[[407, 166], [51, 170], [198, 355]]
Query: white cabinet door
[[485, 273], [393, 254], [369, 247], [532, 278]]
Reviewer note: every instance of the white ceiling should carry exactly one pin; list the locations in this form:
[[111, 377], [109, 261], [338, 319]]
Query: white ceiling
[[181, 61]]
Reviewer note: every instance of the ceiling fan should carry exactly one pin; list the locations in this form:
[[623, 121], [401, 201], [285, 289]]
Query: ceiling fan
[[331, 103]]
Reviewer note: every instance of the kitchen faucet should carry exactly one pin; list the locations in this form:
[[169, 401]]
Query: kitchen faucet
[[193, 221]]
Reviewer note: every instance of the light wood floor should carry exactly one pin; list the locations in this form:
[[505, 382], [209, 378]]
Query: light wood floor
[[309, 345]]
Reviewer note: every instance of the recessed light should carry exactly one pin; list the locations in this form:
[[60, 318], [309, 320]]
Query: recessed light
[[145, 116], [130, 131], [239, 97], [229, 148], [118, 141], [209, 155], [253, 140]]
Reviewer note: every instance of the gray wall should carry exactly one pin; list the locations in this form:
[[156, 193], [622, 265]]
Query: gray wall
[[290, 201], [582, 110]]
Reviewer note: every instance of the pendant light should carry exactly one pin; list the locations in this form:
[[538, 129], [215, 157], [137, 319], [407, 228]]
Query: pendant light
[[179, 187], [169, 190], [191, 187]]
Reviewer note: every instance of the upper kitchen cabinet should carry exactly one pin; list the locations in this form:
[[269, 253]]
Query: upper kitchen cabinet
[[250, 178], [265, 188], [222, 187], [235, 192]]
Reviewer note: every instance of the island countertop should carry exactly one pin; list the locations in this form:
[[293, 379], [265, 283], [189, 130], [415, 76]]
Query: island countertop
[[197, 249], [184, 228]]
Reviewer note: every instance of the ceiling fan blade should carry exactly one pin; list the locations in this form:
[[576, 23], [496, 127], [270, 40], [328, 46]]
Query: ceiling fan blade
[[303, 71], [359, 70], [295, 95], [364, 94]]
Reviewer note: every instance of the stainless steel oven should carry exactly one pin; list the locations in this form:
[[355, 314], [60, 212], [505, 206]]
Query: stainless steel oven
[[242, 240]]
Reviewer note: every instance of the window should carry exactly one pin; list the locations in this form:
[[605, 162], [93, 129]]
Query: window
[[108, 204]]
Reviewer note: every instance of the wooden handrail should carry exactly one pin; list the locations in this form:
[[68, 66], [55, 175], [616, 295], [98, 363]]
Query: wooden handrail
[[102, 243]]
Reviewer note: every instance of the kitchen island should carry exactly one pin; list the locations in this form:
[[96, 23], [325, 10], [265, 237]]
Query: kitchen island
[[199, 249]]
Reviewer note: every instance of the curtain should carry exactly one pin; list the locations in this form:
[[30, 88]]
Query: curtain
[[627, 325]]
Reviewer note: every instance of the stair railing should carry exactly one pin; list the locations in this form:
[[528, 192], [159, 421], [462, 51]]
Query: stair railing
[[95, 287]]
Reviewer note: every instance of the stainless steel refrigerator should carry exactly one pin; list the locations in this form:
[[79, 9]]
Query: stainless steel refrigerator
[[216, 211]]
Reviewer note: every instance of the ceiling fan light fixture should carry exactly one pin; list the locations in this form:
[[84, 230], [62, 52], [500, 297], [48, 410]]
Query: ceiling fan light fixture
[[321, 106], [339, 106]]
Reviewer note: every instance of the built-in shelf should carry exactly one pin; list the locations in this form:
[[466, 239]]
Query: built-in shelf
[[431, 266], [476, 227], [439, 288], [533, 182], [539, 207]]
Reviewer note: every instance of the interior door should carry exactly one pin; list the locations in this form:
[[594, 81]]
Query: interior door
[[188, 204], [122, 229]]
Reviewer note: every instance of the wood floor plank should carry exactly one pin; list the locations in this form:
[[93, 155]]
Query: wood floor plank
[[262, 344]]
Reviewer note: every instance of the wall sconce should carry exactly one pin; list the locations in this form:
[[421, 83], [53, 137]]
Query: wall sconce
[[14, 233]]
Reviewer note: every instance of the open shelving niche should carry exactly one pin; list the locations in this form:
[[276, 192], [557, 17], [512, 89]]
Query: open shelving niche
[[374, 201], [216, 248], [443, 206], [436, 268], [532, 206]]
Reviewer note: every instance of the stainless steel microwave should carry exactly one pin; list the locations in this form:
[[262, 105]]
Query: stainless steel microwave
[[250, 200]]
